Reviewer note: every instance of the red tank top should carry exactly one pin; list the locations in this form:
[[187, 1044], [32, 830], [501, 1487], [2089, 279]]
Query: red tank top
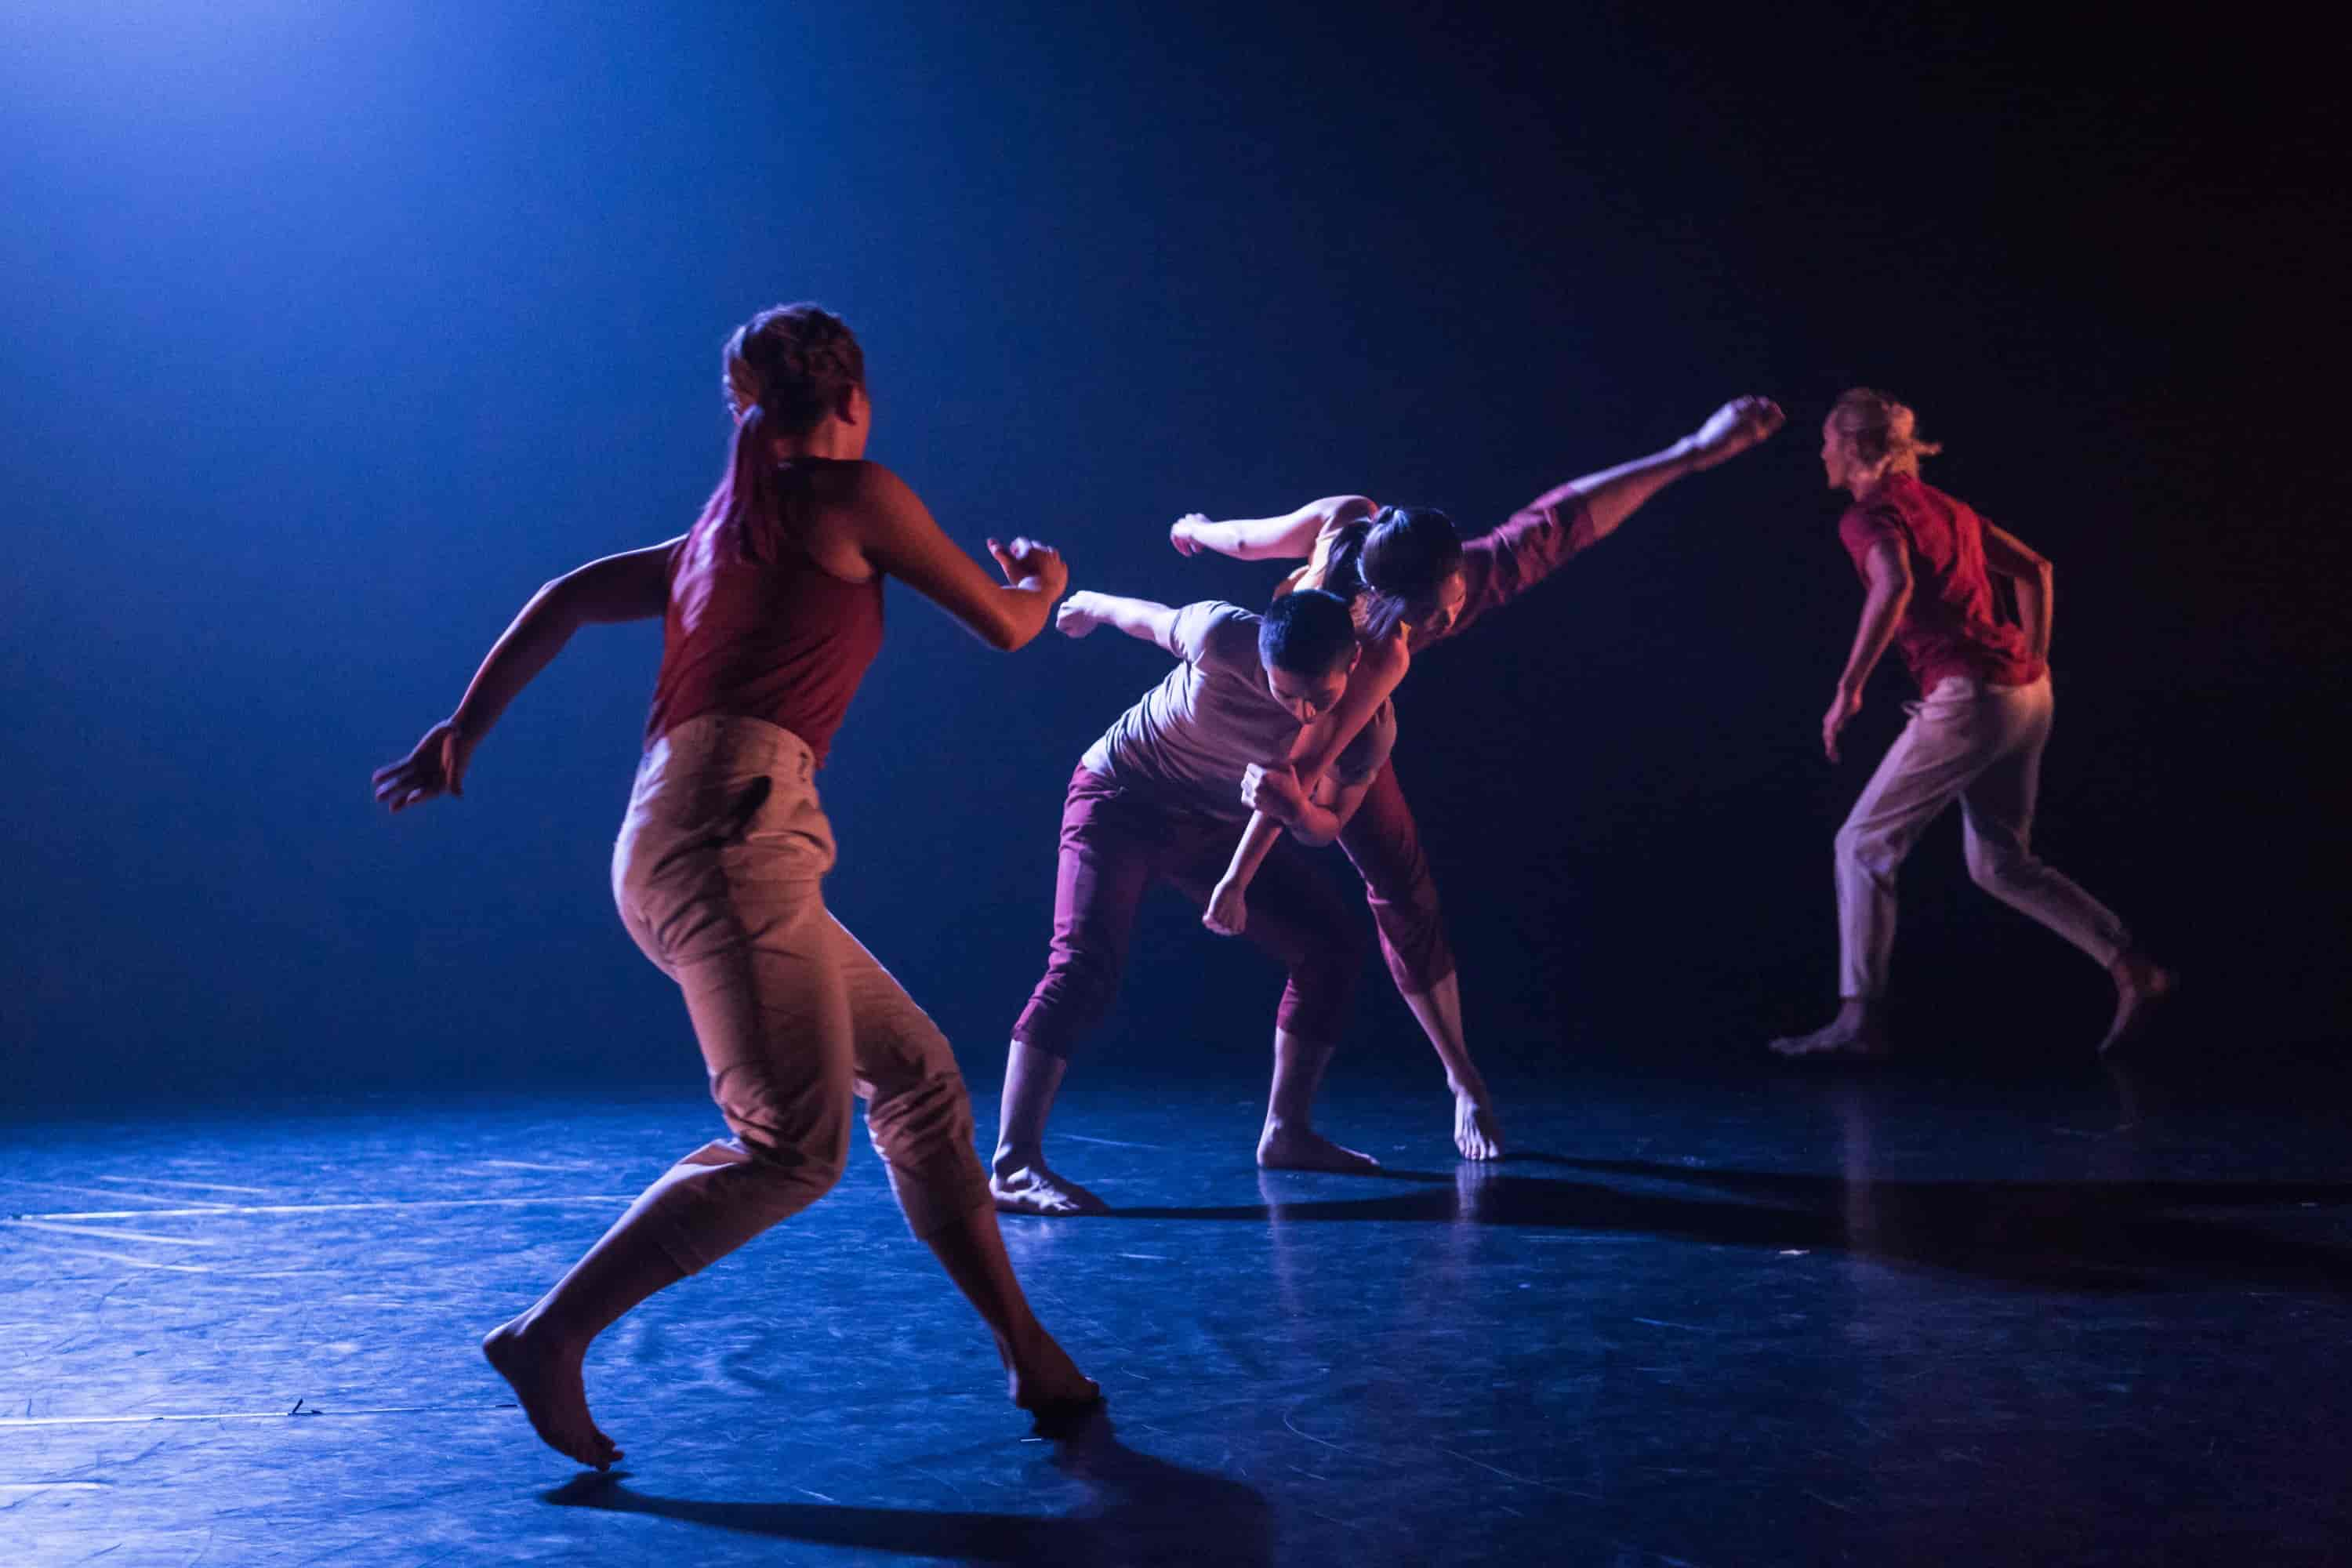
[[757, 629]]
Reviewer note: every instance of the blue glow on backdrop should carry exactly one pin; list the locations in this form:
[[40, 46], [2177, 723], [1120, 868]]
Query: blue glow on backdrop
[[334, 330]]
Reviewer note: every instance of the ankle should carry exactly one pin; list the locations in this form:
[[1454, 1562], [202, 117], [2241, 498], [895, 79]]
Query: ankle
[[1012, 1157]]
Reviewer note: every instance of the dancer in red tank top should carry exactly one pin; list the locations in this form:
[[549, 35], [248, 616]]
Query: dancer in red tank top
[[771, 610], [1976, 736]]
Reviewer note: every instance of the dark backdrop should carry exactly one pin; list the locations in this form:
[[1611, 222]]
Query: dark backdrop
[[333, 333]]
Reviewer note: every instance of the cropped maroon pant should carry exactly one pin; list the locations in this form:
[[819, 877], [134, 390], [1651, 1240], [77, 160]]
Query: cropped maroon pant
[[1381, 839], [1115, 843]]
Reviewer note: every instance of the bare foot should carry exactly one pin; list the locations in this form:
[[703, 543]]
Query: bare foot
[[546, 1379], [1477, 1134], [1282, 1147], [1855, 1033], [1045, 1381], [2141, 987], [1034, 1189]]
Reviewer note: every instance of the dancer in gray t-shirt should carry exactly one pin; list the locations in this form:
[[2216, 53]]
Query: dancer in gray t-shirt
[[1158, 798]]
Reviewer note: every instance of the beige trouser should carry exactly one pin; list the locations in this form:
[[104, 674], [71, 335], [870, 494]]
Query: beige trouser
[[1981, 744], [717, 875]]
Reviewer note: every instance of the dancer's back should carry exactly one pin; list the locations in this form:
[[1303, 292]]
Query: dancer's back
[[763, 620]]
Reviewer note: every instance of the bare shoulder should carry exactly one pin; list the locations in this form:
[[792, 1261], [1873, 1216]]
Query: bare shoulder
[[1387, 660]]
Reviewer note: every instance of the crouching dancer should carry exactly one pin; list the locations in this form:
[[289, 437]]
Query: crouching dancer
[[1157, 798]]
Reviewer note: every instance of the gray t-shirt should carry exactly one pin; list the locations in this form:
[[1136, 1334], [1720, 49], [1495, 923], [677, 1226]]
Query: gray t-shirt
[[1192, 735]]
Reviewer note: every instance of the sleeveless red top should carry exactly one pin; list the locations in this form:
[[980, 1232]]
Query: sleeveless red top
[[757, 629]]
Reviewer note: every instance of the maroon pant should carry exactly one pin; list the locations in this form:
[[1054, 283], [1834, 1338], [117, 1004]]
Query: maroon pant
[[1116, 844], [1380, 838], [1385, 846]]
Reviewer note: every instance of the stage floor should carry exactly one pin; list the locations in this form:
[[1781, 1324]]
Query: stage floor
[[1769, 1319]]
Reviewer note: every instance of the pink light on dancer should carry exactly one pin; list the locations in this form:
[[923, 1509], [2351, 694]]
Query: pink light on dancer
[[772, 611], [1414, 582], [1976, 736]]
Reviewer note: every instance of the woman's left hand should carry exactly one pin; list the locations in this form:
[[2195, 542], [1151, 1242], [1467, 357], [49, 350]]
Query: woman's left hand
[[437, 766], [1274, 792], [1228, 911]]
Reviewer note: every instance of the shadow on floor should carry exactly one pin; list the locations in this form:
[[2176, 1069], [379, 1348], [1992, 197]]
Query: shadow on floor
[[2094, 1235], [1143, 1511]]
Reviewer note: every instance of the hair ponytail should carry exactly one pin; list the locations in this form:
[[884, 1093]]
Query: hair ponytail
[[747, 489], [1391, 565], [1881, 430], [782, 372], [1343, 567]]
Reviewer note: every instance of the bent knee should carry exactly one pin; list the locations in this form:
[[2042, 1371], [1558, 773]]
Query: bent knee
[[907, 1123], [1993, 868], [1868, 849]]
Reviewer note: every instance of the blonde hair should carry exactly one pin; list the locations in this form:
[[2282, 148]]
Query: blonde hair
[[1881, 430]]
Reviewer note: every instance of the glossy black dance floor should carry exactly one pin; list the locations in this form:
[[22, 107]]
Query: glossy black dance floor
[[1774, 1319]]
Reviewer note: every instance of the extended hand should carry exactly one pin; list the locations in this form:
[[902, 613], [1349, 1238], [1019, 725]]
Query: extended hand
[[437, 767], [1742, 423], [1076, 617], [1276, 792], [1843, 707], [1228, 911], [1186, 535], [1025, 559]]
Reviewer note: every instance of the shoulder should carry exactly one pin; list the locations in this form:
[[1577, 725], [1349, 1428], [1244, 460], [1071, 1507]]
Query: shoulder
[[1388, 658], [860, 482], [1339, 514], [1865, 523], [1222, 632]]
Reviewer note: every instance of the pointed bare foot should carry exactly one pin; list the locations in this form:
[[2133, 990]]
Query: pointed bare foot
[[1845, 1037], [1045, 1381], [1282, 1147], [1477, 1134], [1034, 1189], [2141, 988], [546, 1379]]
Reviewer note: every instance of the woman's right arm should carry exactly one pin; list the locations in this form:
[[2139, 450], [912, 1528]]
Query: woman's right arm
[[632, 587], [1290, 537], [897, 534]]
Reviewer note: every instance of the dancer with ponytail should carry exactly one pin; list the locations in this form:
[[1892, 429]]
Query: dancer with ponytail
[[1414, 582], [772, 611], [1976, 735]]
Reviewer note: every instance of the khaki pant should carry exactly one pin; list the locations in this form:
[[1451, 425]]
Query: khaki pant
[[1980, 744], [717, 875]]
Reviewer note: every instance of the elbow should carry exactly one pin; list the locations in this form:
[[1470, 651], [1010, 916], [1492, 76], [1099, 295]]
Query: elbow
[[1012, 629]]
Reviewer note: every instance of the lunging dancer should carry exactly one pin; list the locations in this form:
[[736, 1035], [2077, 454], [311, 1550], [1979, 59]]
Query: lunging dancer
[[1156, 799], [1412, 581], [772, 610], [1975, 736]]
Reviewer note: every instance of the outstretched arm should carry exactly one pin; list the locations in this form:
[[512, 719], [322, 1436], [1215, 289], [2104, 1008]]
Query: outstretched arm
[[1290, 537], [897, 534], [633, 587], [1541, 537], [1887, 569], [1083, 611], [2031, 571]]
